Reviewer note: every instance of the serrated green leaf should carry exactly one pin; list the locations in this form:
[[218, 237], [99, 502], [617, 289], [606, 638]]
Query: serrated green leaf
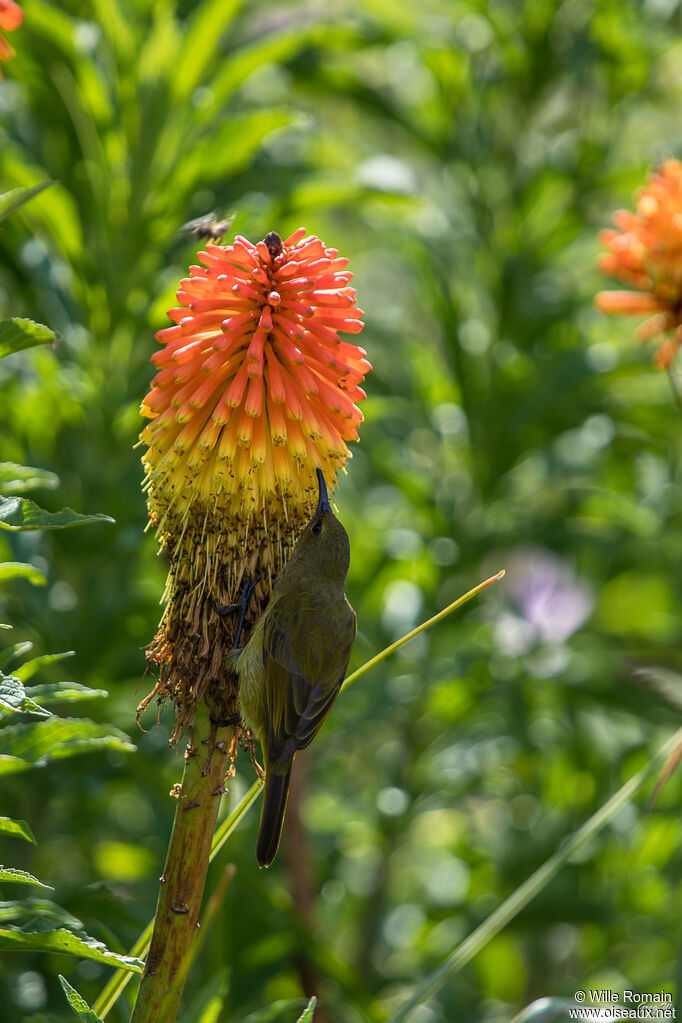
[[13, 652], [38, 743], [37, 914], [65, 943], [13, 699], [21, 877], [20, 570], [13, 200], [64, 692], [78, 1003], [18, 513], [19, 334], [21, 829], [29, 668], [18, 479], [307, 1014]]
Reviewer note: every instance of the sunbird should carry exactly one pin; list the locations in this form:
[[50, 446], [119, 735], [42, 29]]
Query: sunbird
[[292, 668]]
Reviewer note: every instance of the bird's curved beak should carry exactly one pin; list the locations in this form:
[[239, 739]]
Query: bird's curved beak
[[323, 500]]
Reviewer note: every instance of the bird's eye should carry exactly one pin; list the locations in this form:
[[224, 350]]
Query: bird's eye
[[317, 527]]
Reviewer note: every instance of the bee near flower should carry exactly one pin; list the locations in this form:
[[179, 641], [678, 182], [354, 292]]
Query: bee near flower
[[645, 251], [255, 391]]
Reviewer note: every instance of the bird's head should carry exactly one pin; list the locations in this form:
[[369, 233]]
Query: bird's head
[[324, 542]]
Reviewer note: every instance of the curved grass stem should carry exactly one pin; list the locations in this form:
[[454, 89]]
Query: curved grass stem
[[419, 629]]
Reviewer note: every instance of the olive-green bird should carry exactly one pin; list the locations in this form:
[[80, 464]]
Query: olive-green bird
[[292, 668]]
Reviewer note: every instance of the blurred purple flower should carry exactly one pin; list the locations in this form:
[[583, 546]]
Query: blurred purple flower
[[551, 601]]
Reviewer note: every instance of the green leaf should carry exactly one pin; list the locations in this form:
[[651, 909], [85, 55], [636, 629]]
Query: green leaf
[[230, 147], [207, 1006], [64, 692], [13, 200], [29, 668], [80, 1007], [307, 1014], [37, 744], [37, 914], [21, 829], [65, 943], [14, 651], [18, 479], [202, 39], [21, 877], [18, 513], [230, 74], [18, 334], [13, 699], [20, 570], [12, 765]]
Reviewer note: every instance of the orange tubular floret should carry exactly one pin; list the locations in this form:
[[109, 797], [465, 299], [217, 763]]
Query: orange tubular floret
[[234, 394], [278, 422], [254, 397], [227, 445], [282, 464], [296, 442], [294, 238], [259, 443], [286, 326], [630, 302], [275, 377]]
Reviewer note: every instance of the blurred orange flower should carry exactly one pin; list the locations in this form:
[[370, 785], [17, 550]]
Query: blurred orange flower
[[646, 252], [11, 16]]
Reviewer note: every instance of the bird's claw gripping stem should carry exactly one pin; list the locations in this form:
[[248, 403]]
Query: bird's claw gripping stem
[[248, 587], [235, 719]]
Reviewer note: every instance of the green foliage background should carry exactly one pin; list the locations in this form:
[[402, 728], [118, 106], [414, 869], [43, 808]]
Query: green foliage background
[[463, 156]]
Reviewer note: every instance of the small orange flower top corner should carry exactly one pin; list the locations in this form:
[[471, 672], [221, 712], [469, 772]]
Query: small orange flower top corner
[[11, 17], [645, 252]]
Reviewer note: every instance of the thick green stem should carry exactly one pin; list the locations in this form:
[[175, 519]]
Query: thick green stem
[[184, 876]]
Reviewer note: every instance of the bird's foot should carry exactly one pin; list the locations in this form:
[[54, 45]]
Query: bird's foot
[[248, 586], [248, 741], [234, 719], [256, 766]]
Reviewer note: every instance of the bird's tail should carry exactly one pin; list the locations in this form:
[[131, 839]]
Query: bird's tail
[[272, 817]]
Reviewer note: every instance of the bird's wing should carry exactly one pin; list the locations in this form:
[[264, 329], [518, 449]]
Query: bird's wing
[[303, 671]]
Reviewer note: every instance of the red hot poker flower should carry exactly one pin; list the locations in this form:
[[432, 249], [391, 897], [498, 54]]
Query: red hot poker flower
[[255, 390]]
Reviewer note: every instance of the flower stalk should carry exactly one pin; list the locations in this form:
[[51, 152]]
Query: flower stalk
[[184, 875]]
